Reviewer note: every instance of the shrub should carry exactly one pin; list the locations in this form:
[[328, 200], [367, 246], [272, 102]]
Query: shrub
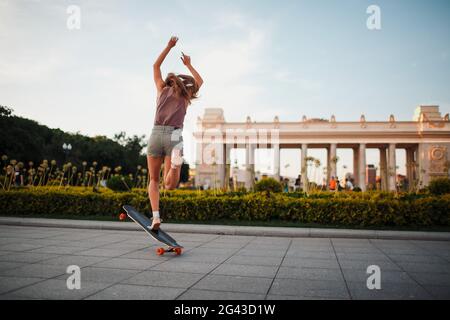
[[269, 185], [119, 183], [346, 209], [439, 186]]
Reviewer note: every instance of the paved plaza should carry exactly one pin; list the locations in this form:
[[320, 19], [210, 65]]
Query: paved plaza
[[123, 265]]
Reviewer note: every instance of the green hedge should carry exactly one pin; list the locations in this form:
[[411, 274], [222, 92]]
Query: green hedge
[[194, 206]]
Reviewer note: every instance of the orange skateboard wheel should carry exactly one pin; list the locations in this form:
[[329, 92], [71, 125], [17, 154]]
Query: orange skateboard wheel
[[160, 251], [122, 216], [178, 251]]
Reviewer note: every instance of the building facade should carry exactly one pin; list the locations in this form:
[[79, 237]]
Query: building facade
[[426, 140]]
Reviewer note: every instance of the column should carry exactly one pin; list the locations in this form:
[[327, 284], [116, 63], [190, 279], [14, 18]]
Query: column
[[247, 166], [332, 162], [304, 167], [356, 165], [227, 169], [392, 171], [220, 161], [251, 167], [276, 163], [198, 164], [409, 164], [362, 166], [383, 169]]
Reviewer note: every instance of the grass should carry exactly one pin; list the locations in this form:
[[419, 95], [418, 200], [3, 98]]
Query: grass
[[272, 223]]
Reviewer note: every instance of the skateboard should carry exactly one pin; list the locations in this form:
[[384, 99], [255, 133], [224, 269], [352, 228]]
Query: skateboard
[[158, 235]]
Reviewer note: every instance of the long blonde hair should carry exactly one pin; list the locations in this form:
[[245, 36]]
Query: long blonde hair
[[184, 86]]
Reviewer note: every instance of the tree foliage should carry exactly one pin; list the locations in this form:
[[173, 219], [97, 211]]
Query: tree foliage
[[27, 140]]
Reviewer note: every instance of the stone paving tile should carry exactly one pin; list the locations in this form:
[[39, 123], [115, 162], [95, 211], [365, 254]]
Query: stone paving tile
[[258, 261], [432, 279], [234, 284], [195, 294], [310, 254], [6, 240], [416, 258], [363, 264], [362, 256], [133, 292], [361, 275], [57, 250], [6, 265], [260, 252], [181, 266], [125, 246], [122, 263], [28, 257], [425, 267], [13, 283], [311, 247], [350, 242], [271, 241], [388, 291], [204, 258], [356, 250], [98, 252], [309, 288], [103, 275], [246, 271], [310, 263], [57, 290], [164, 279], [222, 245], [147, 254], [75, 237], [68, 260], [310, 274], [235, 239], [35, 270], [212, 251], [20, 247], [438, 292]]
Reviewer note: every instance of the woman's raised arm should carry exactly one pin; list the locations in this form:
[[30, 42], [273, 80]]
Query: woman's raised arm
[[187, 62], [159, 82]]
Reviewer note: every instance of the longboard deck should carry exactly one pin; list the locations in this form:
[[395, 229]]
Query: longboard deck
[[146, 223]]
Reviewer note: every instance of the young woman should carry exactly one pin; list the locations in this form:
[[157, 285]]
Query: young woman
[[174, 95]]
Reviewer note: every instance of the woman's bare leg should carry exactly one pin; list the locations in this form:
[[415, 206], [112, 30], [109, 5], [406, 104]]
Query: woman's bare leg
[[171, 175], [154, 169]]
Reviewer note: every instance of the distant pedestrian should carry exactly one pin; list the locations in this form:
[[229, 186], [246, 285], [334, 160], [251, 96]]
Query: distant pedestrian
[[348, 185], [332, 184]]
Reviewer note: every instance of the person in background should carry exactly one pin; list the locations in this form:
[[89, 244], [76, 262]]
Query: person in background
[[332, 185], [348, 185]]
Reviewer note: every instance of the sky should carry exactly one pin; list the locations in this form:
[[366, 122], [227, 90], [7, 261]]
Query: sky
[[258, 58]]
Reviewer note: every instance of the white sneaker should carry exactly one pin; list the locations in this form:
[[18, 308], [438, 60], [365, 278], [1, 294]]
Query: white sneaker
[[156, 222]]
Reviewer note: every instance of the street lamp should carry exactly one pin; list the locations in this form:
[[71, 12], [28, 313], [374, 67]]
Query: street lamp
[[67, 148]]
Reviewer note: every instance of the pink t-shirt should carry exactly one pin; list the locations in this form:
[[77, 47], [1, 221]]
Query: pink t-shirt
[[170, 109]]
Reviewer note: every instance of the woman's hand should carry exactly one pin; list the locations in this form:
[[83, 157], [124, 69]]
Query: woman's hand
[[186, 60], [172, 42]]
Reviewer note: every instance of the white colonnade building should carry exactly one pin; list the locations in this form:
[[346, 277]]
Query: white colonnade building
[[426, 140]]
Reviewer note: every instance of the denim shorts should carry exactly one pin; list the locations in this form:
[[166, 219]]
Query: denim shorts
[[163, 140]]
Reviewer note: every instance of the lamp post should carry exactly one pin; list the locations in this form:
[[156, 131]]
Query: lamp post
[[66, 148]]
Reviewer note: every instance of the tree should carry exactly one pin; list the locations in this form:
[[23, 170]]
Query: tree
[[26, 140]]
